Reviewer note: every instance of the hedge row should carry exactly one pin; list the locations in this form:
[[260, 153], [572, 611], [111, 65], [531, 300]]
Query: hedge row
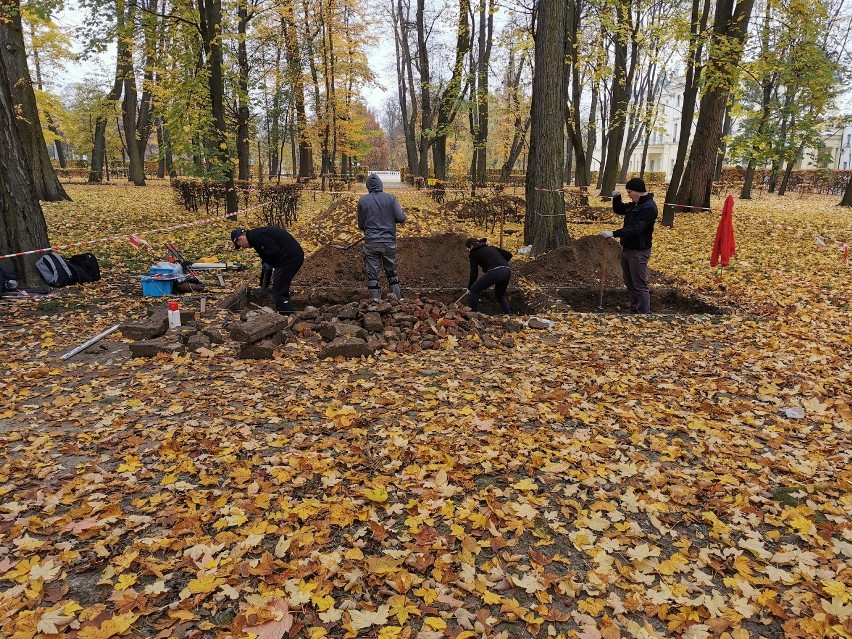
[[280, 201], [826, 181]]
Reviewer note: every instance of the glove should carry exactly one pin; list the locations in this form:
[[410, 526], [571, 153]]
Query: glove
[[616, 193], [606, 234]]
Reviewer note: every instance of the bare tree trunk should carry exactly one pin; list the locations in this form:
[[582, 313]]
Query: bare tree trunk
[[723, 147], [405, 76], [14, 54], [96, 167], [486, 31], [729, 33], [294, 64], [698, 24], [129, 105], [621, 89], [448, 102], [847, 194], [545, 226], [789, 170], [243, 148], [748, 179], [22, 225], [211, 33], [58, 145], [573, 115], [425, 93]]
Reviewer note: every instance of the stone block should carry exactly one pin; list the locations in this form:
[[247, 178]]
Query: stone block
[[155, 325], [153, 347], [196, 341], [214, 335], [348, 347], [330, 331], [308, 313], [181, 333], [264, 349], [255, 329], [348, 311], [372, 322]]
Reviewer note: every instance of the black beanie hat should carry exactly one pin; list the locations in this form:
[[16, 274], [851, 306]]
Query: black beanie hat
[[235, 235], [636, 184]]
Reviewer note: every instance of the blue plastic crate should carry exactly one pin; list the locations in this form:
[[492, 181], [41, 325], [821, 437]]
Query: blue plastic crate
[[153, 287]]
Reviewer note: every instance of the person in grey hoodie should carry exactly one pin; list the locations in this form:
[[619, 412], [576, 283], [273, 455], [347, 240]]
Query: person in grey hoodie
[[378, 215]]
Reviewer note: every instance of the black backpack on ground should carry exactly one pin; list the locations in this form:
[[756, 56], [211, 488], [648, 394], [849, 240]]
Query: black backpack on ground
[[55, 271], [85, 267]]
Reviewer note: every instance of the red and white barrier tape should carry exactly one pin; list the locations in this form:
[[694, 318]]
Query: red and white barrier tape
[[136, 235], [684, 206]]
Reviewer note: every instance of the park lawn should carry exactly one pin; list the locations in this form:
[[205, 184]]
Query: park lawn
[[616, 476]]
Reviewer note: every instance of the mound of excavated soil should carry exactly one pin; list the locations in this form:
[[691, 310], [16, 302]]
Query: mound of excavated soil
[[440, 261], [424, 262], [575, 265]]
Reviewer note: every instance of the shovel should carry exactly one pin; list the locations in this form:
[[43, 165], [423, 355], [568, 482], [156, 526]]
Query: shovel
[[603, 275], [346, 247], [463, 295]]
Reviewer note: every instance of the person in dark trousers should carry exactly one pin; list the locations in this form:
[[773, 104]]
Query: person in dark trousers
[[280, 250], [494, 263], [636, 235], [378, 215]]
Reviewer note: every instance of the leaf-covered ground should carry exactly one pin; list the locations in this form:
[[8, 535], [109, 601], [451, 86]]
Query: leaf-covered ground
[[616, 476]]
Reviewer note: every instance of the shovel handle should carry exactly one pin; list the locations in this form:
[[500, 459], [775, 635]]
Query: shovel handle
[[603, 272], [463, 295]]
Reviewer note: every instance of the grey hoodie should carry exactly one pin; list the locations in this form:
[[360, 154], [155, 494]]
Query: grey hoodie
[[379, 213]]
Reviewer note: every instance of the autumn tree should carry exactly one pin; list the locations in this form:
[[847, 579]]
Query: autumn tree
[[625, 36], [14, 55], [545, 226], [430, 83], [479, 107], [50, 48], [730, 27], [787, 89], [695, 29], [513, 102], [450, 99], [22, 225]]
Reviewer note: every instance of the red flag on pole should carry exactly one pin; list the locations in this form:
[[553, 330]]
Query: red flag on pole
[[724, 246]]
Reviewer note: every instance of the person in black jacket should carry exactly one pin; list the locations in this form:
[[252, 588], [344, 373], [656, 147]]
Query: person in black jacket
[[494, 263], [280, 250], [636, 234]]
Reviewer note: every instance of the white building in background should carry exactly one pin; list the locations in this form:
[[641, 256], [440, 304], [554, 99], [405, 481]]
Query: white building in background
[[662, 147], [843, 157]]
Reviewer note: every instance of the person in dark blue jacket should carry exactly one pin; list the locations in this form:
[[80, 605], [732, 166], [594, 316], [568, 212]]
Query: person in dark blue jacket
[[494, 263], [280, 250], [636, 235]]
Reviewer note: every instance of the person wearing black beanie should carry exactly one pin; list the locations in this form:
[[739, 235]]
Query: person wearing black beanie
[[281, 252], [636, 238]]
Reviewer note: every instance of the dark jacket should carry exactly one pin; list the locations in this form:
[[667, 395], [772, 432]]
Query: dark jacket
[[274, 245], [486, 257], [379, 213], [639, 221]]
